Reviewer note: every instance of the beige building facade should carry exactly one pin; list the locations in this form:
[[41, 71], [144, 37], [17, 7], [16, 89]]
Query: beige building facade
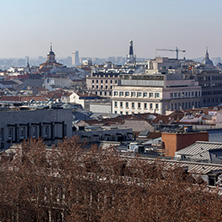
[[101, 84], [154, 94]]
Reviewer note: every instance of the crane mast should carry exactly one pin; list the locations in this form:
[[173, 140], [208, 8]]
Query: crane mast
[[173, 50]]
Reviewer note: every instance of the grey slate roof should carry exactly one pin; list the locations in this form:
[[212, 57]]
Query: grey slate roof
[[8, 82], [215, 135], [192, 167], [200, 147], [33, 83], [198, 168], [202, 151]]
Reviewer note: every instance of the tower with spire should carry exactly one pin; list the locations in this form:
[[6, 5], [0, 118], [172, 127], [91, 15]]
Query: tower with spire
[[131, 58], [51, 55], [50, 62], [207, 60]]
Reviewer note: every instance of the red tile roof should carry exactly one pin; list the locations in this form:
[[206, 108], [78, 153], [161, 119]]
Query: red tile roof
[[22, 98], [10, 98], [162, 119]]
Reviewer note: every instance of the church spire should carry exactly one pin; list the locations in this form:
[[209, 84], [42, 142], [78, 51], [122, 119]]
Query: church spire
[[207, 60], [50, 46], [207, 54]]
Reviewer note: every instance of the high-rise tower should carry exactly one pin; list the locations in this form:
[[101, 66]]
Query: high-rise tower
[[131, 58], [75, 58]]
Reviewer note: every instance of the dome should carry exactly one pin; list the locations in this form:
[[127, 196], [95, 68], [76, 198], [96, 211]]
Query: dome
[[207, 60], [51, 53]]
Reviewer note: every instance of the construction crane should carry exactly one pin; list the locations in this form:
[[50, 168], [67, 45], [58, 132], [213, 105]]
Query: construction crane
[[173, 50]]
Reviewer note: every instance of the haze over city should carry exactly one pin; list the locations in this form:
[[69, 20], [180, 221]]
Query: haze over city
[[111, 110], [103, 28]]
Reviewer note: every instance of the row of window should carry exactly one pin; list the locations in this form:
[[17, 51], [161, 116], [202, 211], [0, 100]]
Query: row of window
[[101, 87], [209, 85], [185, 105], [212, 101], [106, 75], [103, 93], [217, 77], [207, 78], [23, 132], [203, 78], [138, 105], [104, 81], [215, 92], [136, 94], [129, 112], [185, 94]]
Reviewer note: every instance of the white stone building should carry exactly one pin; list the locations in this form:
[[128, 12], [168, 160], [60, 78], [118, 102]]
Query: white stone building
[[157, 93], [82, 98]]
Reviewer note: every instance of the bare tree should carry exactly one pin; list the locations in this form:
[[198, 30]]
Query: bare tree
[[70, 182]]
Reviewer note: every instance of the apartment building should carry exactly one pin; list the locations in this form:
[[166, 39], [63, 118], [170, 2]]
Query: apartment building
[[209, 78], [162, 64], [49, 124], [101, 83], [211, 82], [157, 93]]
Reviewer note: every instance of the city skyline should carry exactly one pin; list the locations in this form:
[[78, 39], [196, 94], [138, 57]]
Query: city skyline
[[104, 28]]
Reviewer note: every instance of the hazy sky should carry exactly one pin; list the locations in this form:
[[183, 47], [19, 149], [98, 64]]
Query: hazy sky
[[102, 28]]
